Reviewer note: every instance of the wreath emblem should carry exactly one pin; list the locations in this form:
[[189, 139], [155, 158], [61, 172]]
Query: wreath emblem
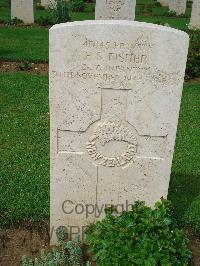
[[107, 132]]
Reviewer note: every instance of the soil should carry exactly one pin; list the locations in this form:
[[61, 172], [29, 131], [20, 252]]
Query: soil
[[23, 25], [194, 246], [30, 239], [27, 240], [194, 80], [34, 68]]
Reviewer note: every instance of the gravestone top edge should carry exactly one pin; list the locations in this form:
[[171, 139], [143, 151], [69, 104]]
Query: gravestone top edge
[[119, 22]]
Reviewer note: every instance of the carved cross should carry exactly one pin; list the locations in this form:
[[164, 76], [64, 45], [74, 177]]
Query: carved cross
[[113, 129]]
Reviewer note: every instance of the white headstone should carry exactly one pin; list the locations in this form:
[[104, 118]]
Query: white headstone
[[178, 6], [164, 2], [23, 9], [195, 16], [115, 92], [115, 9]]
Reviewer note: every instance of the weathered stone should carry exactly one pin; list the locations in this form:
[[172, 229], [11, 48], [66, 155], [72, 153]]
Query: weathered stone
[[195, 16], [115, 9], [115, 92], [23, 9], [178, 6]]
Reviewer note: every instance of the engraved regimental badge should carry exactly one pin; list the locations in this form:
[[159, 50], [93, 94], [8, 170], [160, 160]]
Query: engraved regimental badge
[[120, 136]]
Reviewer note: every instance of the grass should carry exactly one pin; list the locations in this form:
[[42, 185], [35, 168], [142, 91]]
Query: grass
[[174, 22], [159, 14], [4, 10], [31, 44], [192, 216], [19, 44], [24, 191], [185, 178], [88, 13], [24, 178], [76, 16]]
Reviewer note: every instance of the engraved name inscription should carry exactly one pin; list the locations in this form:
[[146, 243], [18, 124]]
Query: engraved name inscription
[[105, 133], [117, 64]]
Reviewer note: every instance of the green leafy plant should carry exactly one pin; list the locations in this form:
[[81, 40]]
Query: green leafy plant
[[68, 253], [158, 22], [45, 21], [14, 21], [157, 4], [142, 236], [61, 11], [170, 13], [24, 66], [78, 5], [54, 258], [75, 251], [185, 15]]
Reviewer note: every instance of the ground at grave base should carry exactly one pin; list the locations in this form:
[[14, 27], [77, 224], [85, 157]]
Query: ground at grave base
[[27, 240], [30, 239], [34, 68]]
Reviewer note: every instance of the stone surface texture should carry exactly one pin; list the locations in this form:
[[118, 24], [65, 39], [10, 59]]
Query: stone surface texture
[[23, 9], [178, 6], [115, 93], [195, 16], [115, 9]]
